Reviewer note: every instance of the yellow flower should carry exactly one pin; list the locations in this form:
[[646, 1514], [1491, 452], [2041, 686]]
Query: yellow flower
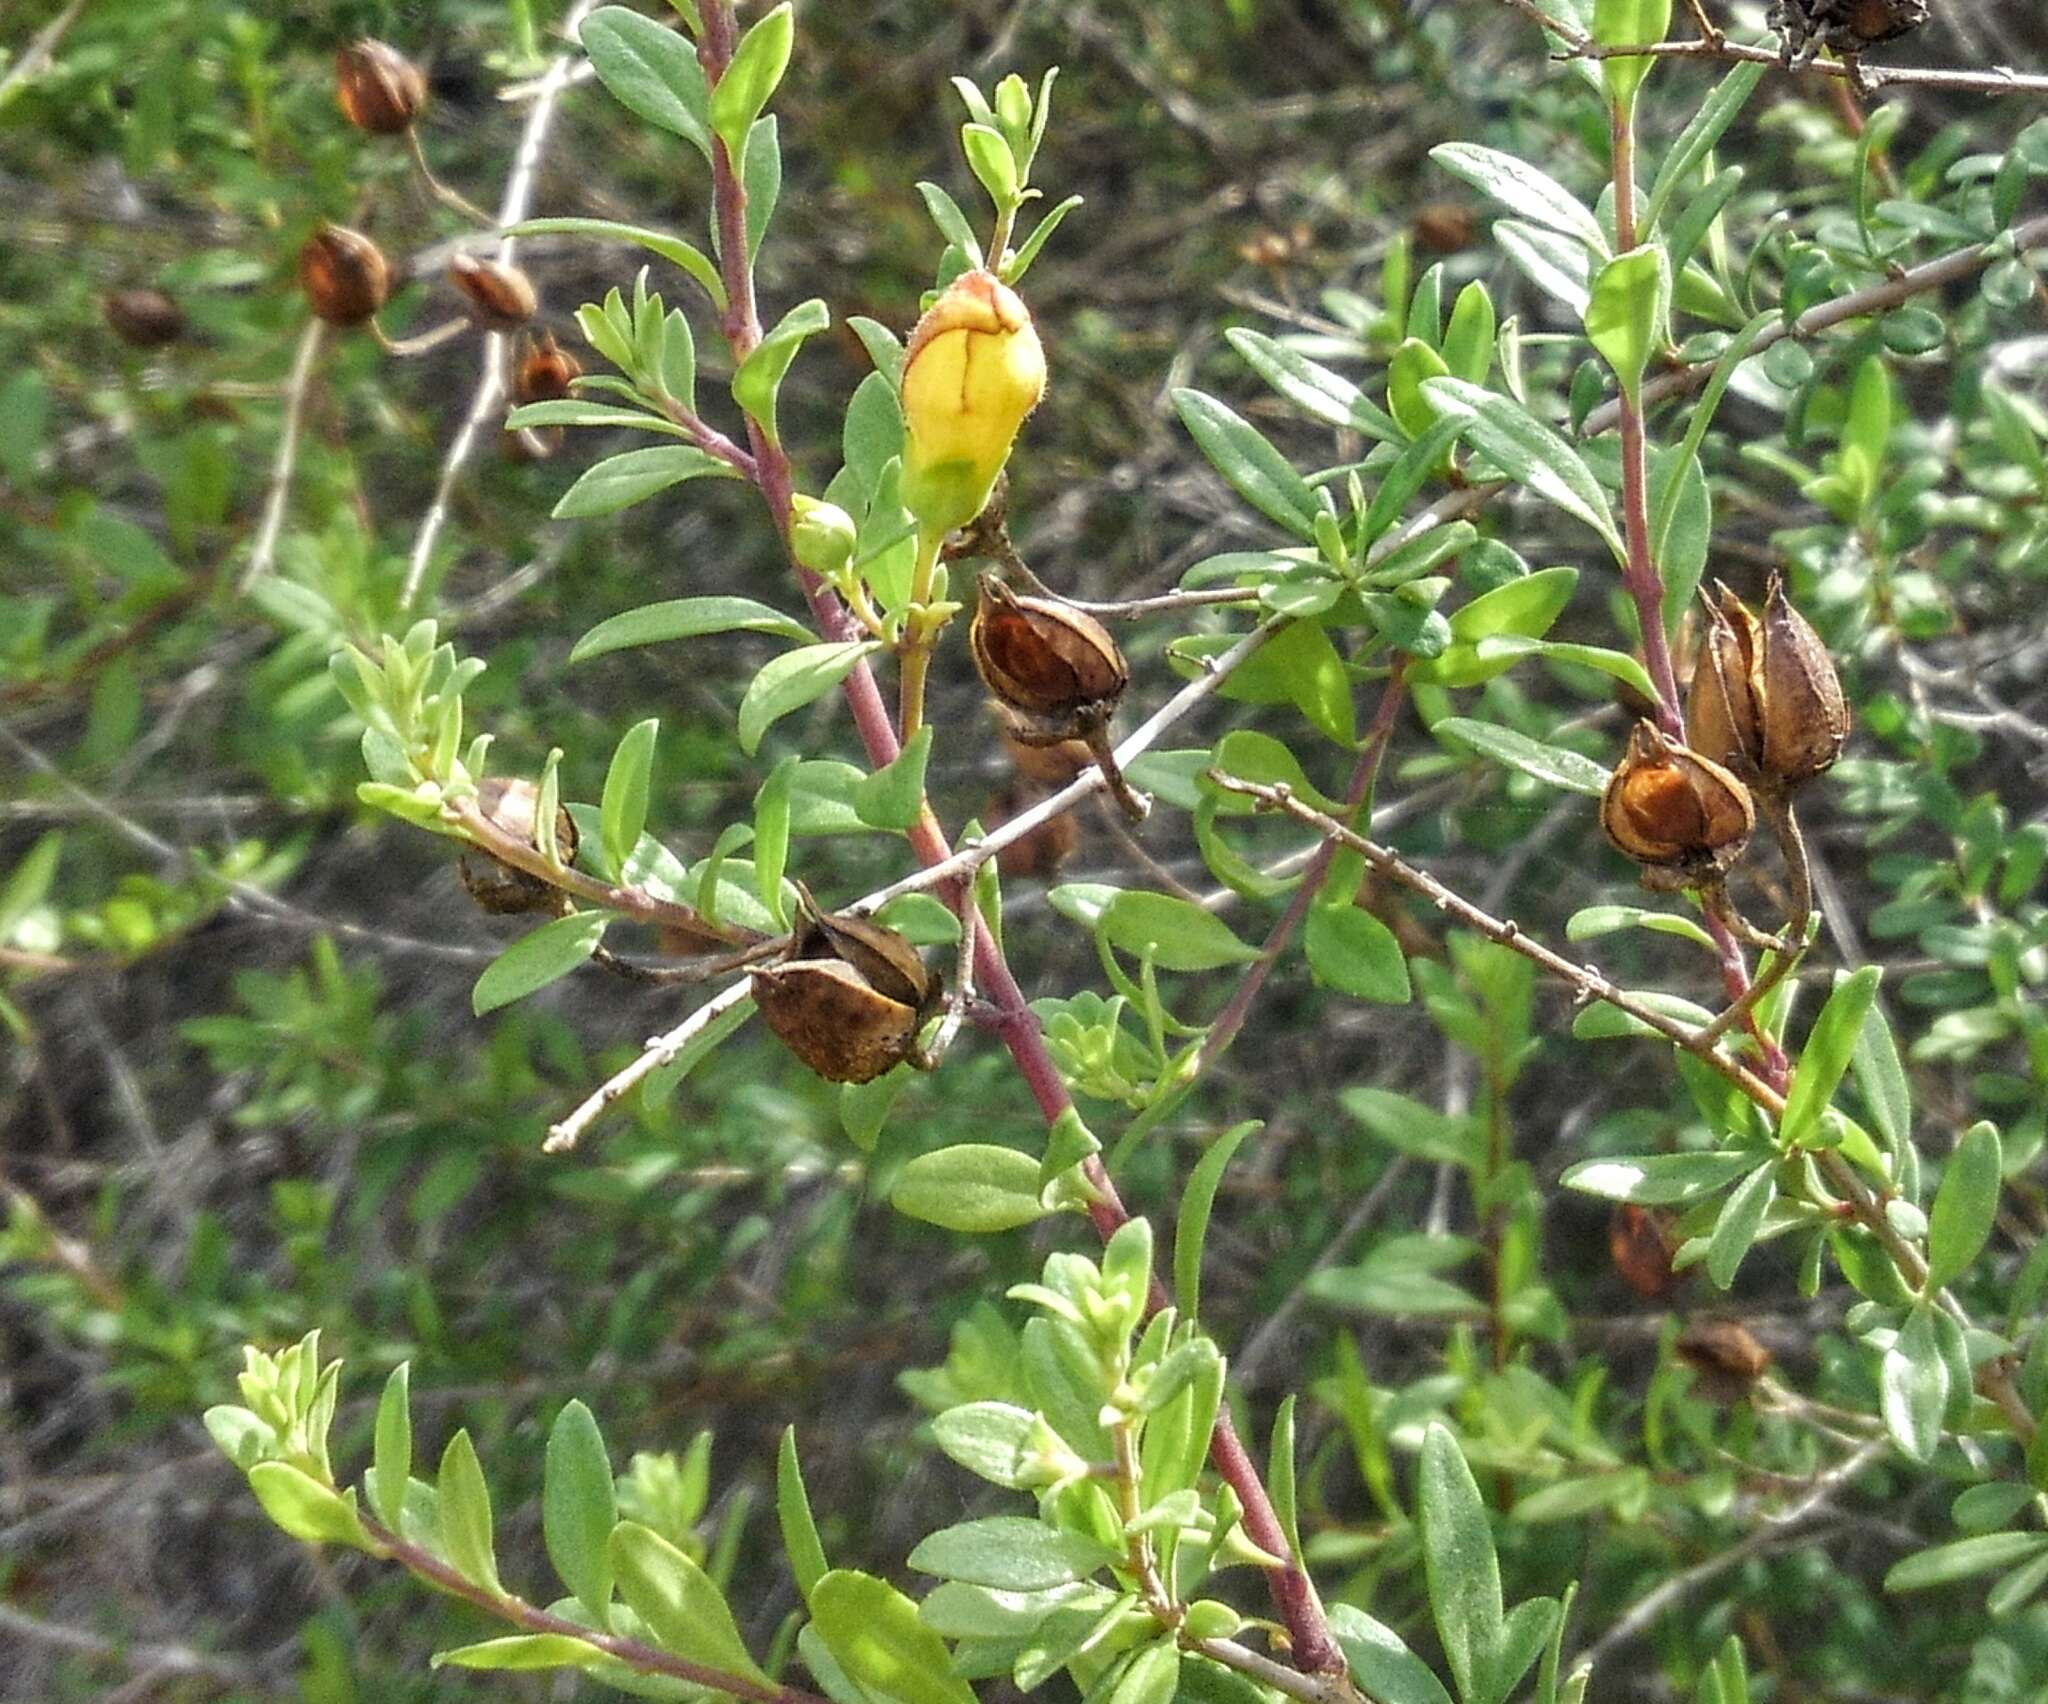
[[973, 371]]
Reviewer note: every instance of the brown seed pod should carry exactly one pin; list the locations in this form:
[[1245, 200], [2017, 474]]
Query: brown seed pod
[[509, 805], [377, 88], [500, 297], [344, 276], [545, 370], [1846, 26], [850, 997], [1683, 818], [1721, 716], [1805, 718], [1054, 667], [1043, 765], [1725, 1357], [143, 318], [1641, 1242], [1444, 227]]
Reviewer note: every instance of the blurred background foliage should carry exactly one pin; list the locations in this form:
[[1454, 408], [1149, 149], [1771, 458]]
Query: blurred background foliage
[[241, 1091]]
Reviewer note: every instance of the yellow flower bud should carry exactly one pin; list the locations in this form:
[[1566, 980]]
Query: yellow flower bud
[[973, 371]]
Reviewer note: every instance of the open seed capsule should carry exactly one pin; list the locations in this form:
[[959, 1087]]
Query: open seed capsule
[[510, 805], [1683, 818]]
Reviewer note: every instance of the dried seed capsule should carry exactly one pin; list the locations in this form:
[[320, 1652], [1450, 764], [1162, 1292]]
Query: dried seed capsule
[[1725, 1357], [546, 371], [1721, 709], [1683, 818], [510, 805], [1846, 26], [850, 997], [500, 297], [1046, 765], [344, 275], [972, 371], [144, 318], [1444, 227], [377, 88], [1805, 718], [1055, 668], [1641, 1241]]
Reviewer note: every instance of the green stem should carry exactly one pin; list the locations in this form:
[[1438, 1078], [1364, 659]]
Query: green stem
[[918, 637]]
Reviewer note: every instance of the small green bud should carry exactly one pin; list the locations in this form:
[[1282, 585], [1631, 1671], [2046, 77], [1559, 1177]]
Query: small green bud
[[1208, 1619], [821, 535]]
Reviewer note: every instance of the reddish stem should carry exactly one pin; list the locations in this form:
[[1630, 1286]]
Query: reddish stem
[[1314, 1650]]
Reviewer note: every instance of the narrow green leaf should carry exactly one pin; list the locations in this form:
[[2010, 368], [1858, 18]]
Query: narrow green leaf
[[1626, 23], [1705, 128], [622, 815], [1881, 1078], [1658, 1180], [1010, 1553], [650, 71], [1826, 1054], [618, 482], [750, 79], [1384, 1667], [522, 1651], [391, 1462], [573, 411], [1741, 1217], [1258, 472], [28, 883], [1631, 295], [771, 837], [758, 381], [685, 618], [1965, 1206], [1913, 1385], [463, 1509], [791, 681], [1964, 1559], [1523, 189], [970, 1186], [684, 1611], [1196, 1202], [800, 1541], [1316, 390], [1530, 453], [687, 256], [1352, 951], [1458, 1559], [872, 1630], [1552, 764], [1152, 1678], [538, 958], [303, 1507], [579, 1508]]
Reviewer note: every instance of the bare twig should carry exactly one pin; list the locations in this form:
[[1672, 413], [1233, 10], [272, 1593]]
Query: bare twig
[[277, 499], [42, 47], [662, 1050], [490, 389], [1998, 80]]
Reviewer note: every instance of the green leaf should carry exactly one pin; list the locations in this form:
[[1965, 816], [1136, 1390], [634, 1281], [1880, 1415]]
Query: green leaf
[[970, 1186], [1741, 1217], [1658, 1180], [1627, 23], [993, 165], [684, 618], [1524, 190], [893, 796], [28, 883], [1152, 1678], [1964, 1559], [687, 256], [618, 482], [622, 815], [873, 1631], [952, 223], [771, 838], [1412, 363], [795, 679], [1913, 1385], [1552, 764], [762, 178], [1826, 1054], [1352, 951], [579, 1508], [1011, 1553], [996, 1441], [1409, 1127], [1175, 934], [1469, 338], [1191, 1230], [522, 1651], [750, 79], [1631, 296], [758, 381], [800, 1541], [650, 71], [1258, 472], [462, 1507], [1459, 1561], [1595, 920], [1964, 1206], [391, 1462], [303, 1507], [1881, 1078], [1530, 453], [1317, 391], [1706, 127], [1528, 607], [538, 958], [1385, 1669], [573, 411], [684, 1611]]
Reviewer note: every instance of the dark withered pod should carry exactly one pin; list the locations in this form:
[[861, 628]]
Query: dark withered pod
[[849, 997]]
